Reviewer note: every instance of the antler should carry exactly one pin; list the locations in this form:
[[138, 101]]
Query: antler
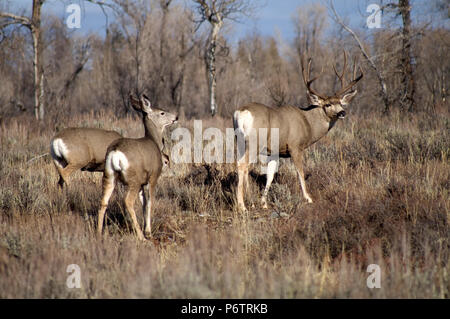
[[341, 77], [133, 101], [306, 75], [355, 80]]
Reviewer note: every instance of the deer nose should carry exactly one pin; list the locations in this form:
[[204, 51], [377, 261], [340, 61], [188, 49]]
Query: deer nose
[[341, 114]]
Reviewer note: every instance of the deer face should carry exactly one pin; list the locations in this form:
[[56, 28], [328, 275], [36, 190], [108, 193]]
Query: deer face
[[332, 106], [162, 118], [333, 109], [159, 117]]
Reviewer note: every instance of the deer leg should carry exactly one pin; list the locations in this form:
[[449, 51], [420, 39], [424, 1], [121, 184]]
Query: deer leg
[[150, 199], [130, 198], [60, 170], [108, 183], [141, 197], [61, 182], [246, 183], [271, 169], [149, 207], [242, 181], [65, 172], [297, 158]]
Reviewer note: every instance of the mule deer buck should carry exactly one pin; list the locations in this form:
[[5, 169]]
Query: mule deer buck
[[80, 148], [297, 128], [137, 163]]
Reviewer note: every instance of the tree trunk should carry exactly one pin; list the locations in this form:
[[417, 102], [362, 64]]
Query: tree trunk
[[384, 93], [165, 13], [39, 108], [179, 96], [212, 78], [211, 67], [370, 60], [162, 45], [407, 99]]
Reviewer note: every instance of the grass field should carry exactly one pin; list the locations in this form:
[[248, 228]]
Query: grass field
[[381, 196]]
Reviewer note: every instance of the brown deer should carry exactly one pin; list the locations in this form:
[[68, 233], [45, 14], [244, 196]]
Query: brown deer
[[137, 163], [297, 128], [80, 148]]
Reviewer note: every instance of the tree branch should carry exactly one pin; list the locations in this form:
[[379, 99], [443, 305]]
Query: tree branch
[[16, 19], [369, 59]]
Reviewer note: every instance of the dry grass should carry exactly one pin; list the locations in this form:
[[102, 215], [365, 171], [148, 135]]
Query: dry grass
[[381, 191]]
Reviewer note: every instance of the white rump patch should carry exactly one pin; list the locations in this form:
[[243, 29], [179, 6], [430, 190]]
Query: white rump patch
[[244, 121], [58, 149], [116, 161]]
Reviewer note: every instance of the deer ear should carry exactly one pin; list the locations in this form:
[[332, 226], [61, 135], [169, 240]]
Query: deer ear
[[146, 104], [165, 160], [347, 98], [135, 103], [314, 99]]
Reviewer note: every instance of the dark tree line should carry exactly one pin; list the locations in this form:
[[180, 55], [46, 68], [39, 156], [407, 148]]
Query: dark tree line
[[165, 49]]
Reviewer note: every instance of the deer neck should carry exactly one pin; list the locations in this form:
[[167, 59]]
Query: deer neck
[[320, 122], [153, 132]]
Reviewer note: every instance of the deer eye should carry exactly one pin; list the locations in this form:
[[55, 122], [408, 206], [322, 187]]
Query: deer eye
[[162, 113]]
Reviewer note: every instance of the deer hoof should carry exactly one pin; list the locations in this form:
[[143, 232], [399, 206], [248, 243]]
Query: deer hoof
[[264, 203], [140, 236], [148, 234], [242, 209]]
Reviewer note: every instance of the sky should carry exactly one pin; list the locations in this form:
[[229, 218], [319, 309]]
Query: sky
[[274, 17]]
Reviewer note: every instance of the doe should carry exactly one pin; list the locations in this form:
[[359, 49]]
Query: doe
[[137, 163]]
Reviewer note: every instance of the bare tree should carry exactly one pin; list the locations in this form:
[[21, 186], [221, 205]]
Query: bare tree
[[309, 24], [132, 17], [215, 12], [433, 68], [404, 55], [407, 99], [370, 59], [82, 58], [34, 25], [171, 64], [164, 4]]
